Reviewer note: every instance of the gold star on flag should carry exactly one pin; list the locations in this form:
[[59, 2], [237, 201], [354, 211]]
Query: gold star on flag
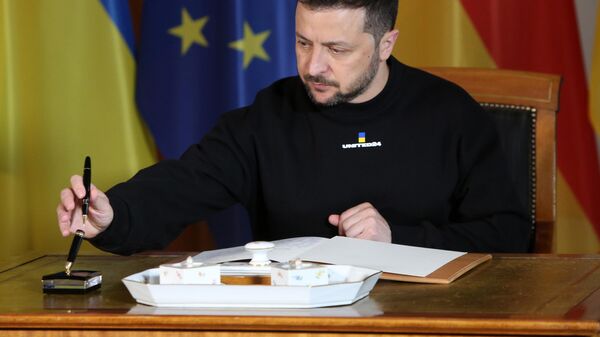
[[190, 31], [251, 45]]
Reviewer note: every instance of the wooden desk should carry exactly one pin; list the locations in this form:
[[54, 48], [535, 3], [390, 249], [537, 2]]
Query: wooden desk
[[510, 295]]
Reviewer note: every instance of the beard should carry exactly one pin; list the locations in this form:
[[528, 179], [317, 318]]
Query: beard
[[359, 86]]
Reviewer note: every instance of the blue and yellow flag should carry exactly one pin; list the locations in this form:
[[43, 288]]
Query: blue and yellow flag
[[66, 91], [198, 59]]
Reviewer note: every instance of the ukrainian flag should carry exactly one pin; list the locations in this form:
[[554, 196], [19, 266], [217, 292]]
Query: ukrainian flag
[[362, 137], [66, 91]]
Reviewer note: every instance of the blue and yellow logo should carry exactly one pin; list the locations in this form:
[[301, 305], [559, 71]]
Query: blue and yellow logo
[[362, 142], [362, 137]]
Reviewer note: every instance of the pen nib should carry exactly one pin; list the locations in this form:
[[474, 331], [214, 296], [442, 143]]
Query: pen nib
[[68, 268]]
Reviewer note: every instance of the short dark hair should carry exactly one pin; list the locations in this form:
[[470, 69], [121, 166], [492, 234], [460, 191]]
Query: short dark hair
[[380, 14]]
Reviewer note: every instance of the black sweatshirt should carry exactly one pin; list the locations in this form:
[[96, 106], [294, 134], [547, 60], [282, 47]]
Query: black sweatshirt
[[422, 152]]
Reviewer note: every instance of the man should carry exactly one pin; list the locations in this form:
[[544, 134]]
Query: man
[[358, 145]]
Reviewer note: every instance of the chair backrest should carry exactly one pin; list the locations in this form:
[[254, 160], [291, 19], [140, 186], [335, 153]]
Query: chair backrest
[[524, 105]]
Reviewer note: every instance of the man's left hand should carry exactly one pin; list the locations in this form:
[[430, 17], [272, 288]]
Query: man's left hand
[[362, 222]]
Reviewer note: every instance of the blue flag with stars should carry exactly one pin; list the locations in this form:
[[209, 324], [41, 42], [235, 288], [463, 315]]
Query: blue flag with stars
[[200, 58]]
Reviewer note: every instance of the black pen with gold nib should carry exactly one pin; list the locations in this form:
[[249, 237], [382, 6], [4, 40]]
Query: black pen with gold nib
[[76, 281]]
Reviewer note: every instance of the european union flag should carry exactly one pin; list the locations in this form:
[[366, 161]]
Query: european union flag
[[199, 58]]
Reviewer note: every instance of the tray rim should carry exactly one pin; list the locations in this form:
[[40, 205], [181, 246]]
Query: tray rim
[[357, 288]]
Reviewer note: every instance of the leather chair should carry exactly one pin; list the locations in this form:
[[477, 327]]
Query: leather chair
[[524, 105]]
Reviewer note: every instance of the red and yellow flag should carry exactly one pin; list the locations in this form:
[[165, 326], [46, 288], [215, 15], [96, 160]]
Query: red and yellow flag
[[506, 34]]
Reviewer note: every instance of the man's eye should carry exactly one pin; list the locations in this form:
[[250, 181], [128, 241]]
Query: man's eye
[[303, 44], [336, 51]]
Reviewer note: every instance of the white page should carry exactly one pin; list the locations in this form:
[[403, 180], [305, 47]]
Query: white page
[[223, 255], [398, 259], [289, 249], [285, 250], [392, 258]]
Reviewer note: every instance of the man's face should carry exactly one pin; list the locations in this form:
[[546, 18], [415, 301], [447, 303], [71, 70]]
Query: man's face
[[337, 60]]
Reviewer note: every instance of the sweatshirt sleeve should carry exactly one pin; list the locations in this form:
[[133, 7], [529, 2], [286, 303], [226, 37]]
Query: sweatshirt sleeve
[[154, 206], [486, 215]]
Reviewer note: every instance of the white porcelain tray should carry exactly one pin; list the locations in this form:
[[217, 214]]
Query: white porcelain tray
[[347, 285]]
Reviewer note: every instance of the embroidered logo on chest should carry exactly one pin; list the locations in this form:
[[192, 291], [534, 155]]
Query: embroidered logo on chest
[[362, 142]]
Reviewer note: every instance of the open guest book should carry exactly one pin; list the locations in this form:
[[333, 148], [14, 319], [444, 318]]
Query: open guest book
[[397, 262]]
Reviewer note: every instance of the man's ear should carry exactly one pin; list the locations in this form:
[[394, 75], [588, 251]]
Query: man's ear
[[386, 45]]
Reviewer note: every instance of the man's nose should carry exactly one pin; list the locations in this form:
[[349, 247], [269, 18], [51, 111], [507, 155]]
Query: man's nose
[[318, 62]]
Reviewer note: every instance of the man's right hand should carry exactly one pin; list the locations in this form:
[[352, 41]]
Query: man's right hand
[[100, 213]]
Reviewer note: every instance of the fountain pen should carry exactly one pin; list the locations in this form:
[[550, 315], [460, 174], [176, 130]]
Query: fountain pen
[[78, 237]]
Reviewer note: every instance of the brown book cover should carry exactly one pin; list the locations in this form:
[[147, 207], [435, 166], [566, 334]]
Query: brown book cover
[[447, 273]]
